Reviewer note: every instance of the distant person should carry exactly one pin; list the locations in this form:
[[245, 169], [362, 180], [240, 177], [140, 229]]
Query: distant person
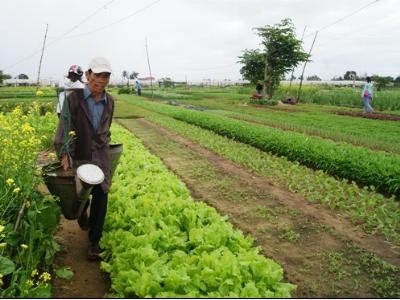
[[367, 95], [259, 89], [72, 81], [138, 87]]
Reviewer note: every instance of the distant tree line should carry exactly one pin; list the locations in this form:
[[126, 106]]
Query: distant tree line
[[4, 76], [380, 81]]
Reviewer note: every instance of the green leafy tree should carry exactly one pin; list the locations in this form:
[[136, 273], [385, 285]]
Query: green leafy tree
[[253, 62], [22, 76], [282, 52], [314, 78], [125, 75], [397, 81], [382, 81], [4, 76], [133, 75], [350, 75], [166, 82]]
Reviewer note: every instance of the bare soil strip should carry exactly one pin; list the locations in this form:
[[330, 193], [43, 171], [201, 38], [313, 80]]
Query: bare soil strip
[[375, 116], [321, 252], [88, 280]]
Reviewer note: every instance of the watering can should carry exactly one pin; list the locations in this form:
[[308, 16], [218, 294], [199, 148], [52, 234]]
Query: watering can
[[74, 186]]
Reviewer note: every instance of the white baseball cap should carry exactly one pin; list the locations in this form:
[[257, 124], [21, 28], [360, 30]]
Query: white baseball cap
[[100, 64]]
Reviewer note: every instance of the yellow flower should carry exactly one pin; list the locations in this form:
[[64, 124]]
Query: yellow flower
[[45, 276], [1, 228], [39, 93], [16, 190], [10, 181], [72, 133], [48, 114], [52, 156], [24, 246], [27, 128], [34, 272], [29, 282]]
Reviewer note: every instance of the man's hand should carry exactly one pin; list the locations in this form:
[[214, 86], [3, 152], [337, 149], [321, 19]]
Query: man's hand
[[64, 162]]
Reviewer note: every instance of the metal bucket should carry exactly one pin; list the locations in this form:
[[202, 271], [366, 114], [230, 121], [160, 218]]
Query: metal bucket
[[115, 154], [73, 193]]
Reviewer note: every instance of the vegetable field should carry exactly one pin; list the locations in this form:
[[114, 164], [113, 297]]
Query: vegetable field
[[212, 197]]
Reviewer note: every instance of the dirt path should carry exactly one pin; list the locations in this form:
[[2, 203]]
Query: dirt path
[[321, 252], [88, 280]]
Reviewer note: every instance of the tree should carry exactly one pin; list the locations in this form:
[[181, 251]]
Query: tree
[[166, 82], [314, 78], [133, 75], [350, 75], [125, 75], [253, 65], [282, 52], [382, 81], [22, 76], [397, 81], [4, 76]]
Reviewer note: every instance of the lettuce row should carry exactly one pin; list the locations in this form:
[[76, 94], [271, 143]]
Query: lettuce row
[[160, 243]]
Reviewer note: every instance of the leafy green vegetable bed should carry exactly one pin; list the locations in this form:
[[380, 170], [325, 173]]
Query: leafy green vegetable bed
[[366, 167], [160, 243], [362, 205], [373, 134]]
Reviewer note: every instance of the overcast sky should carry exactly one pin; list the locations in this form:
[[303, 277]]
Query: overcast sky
[[194, 39]]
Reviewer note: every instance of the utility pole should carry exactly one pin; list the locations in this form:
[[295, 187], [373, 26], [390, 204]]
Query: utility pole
[[41, 57], [304, 67], [148, 62]]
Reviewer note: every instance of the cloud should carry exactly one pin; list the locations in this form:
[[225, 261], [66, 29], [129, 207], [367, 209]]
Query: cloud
[[192, 38]]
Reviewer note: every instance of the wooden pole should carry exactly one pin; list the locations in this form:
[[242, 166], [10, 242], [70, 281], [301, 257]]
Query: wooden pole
[[291, 75], [148, 62], [41, 58], [304, 68]]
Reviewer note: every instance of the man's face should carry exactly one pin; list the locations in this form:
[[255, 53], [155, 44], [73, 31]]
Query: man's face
[[97, 82]]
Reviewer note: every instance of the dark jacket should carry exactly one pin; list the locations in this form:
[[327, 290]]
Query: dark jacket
[[88, 145]]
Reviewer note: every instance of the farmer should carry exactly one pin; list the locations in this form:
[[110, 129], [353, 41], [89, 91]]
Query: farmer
[[367, 95], [88, 115], [73, 81], [259, 89], [138, 87]]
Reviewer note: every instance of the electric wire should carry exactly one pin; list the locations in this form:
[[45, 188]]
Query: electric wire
[[60, 37], [115, 22]]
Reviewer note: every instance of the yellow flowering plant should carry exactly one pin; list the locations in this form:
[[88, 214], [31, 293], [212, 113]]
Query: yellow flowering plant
[[27, 219]]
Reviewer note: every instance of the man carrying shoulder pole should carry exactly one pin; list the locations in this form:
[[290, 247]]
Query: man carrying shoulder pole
[[83, 136]]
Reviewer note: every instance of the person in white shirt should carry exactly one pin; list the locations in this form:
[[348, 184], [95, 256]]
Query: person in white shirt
[[73, 81]]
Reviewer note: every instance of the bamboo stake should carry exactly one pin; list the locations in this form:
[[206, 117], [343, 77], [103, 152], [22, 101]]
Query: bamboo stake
[[304, 68], [148, 62], [41, 58]]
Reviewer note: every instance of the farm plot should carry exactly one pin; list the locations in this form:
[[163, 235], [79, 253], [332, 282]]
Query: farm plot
[[345, 161], [159, 243], [22, 97], [329, 258]]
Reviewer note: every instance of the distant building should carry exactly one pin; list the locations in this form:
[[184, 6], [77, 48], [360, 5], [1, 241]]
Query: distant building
[[29, 82], [147, 80], [18, 82]]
